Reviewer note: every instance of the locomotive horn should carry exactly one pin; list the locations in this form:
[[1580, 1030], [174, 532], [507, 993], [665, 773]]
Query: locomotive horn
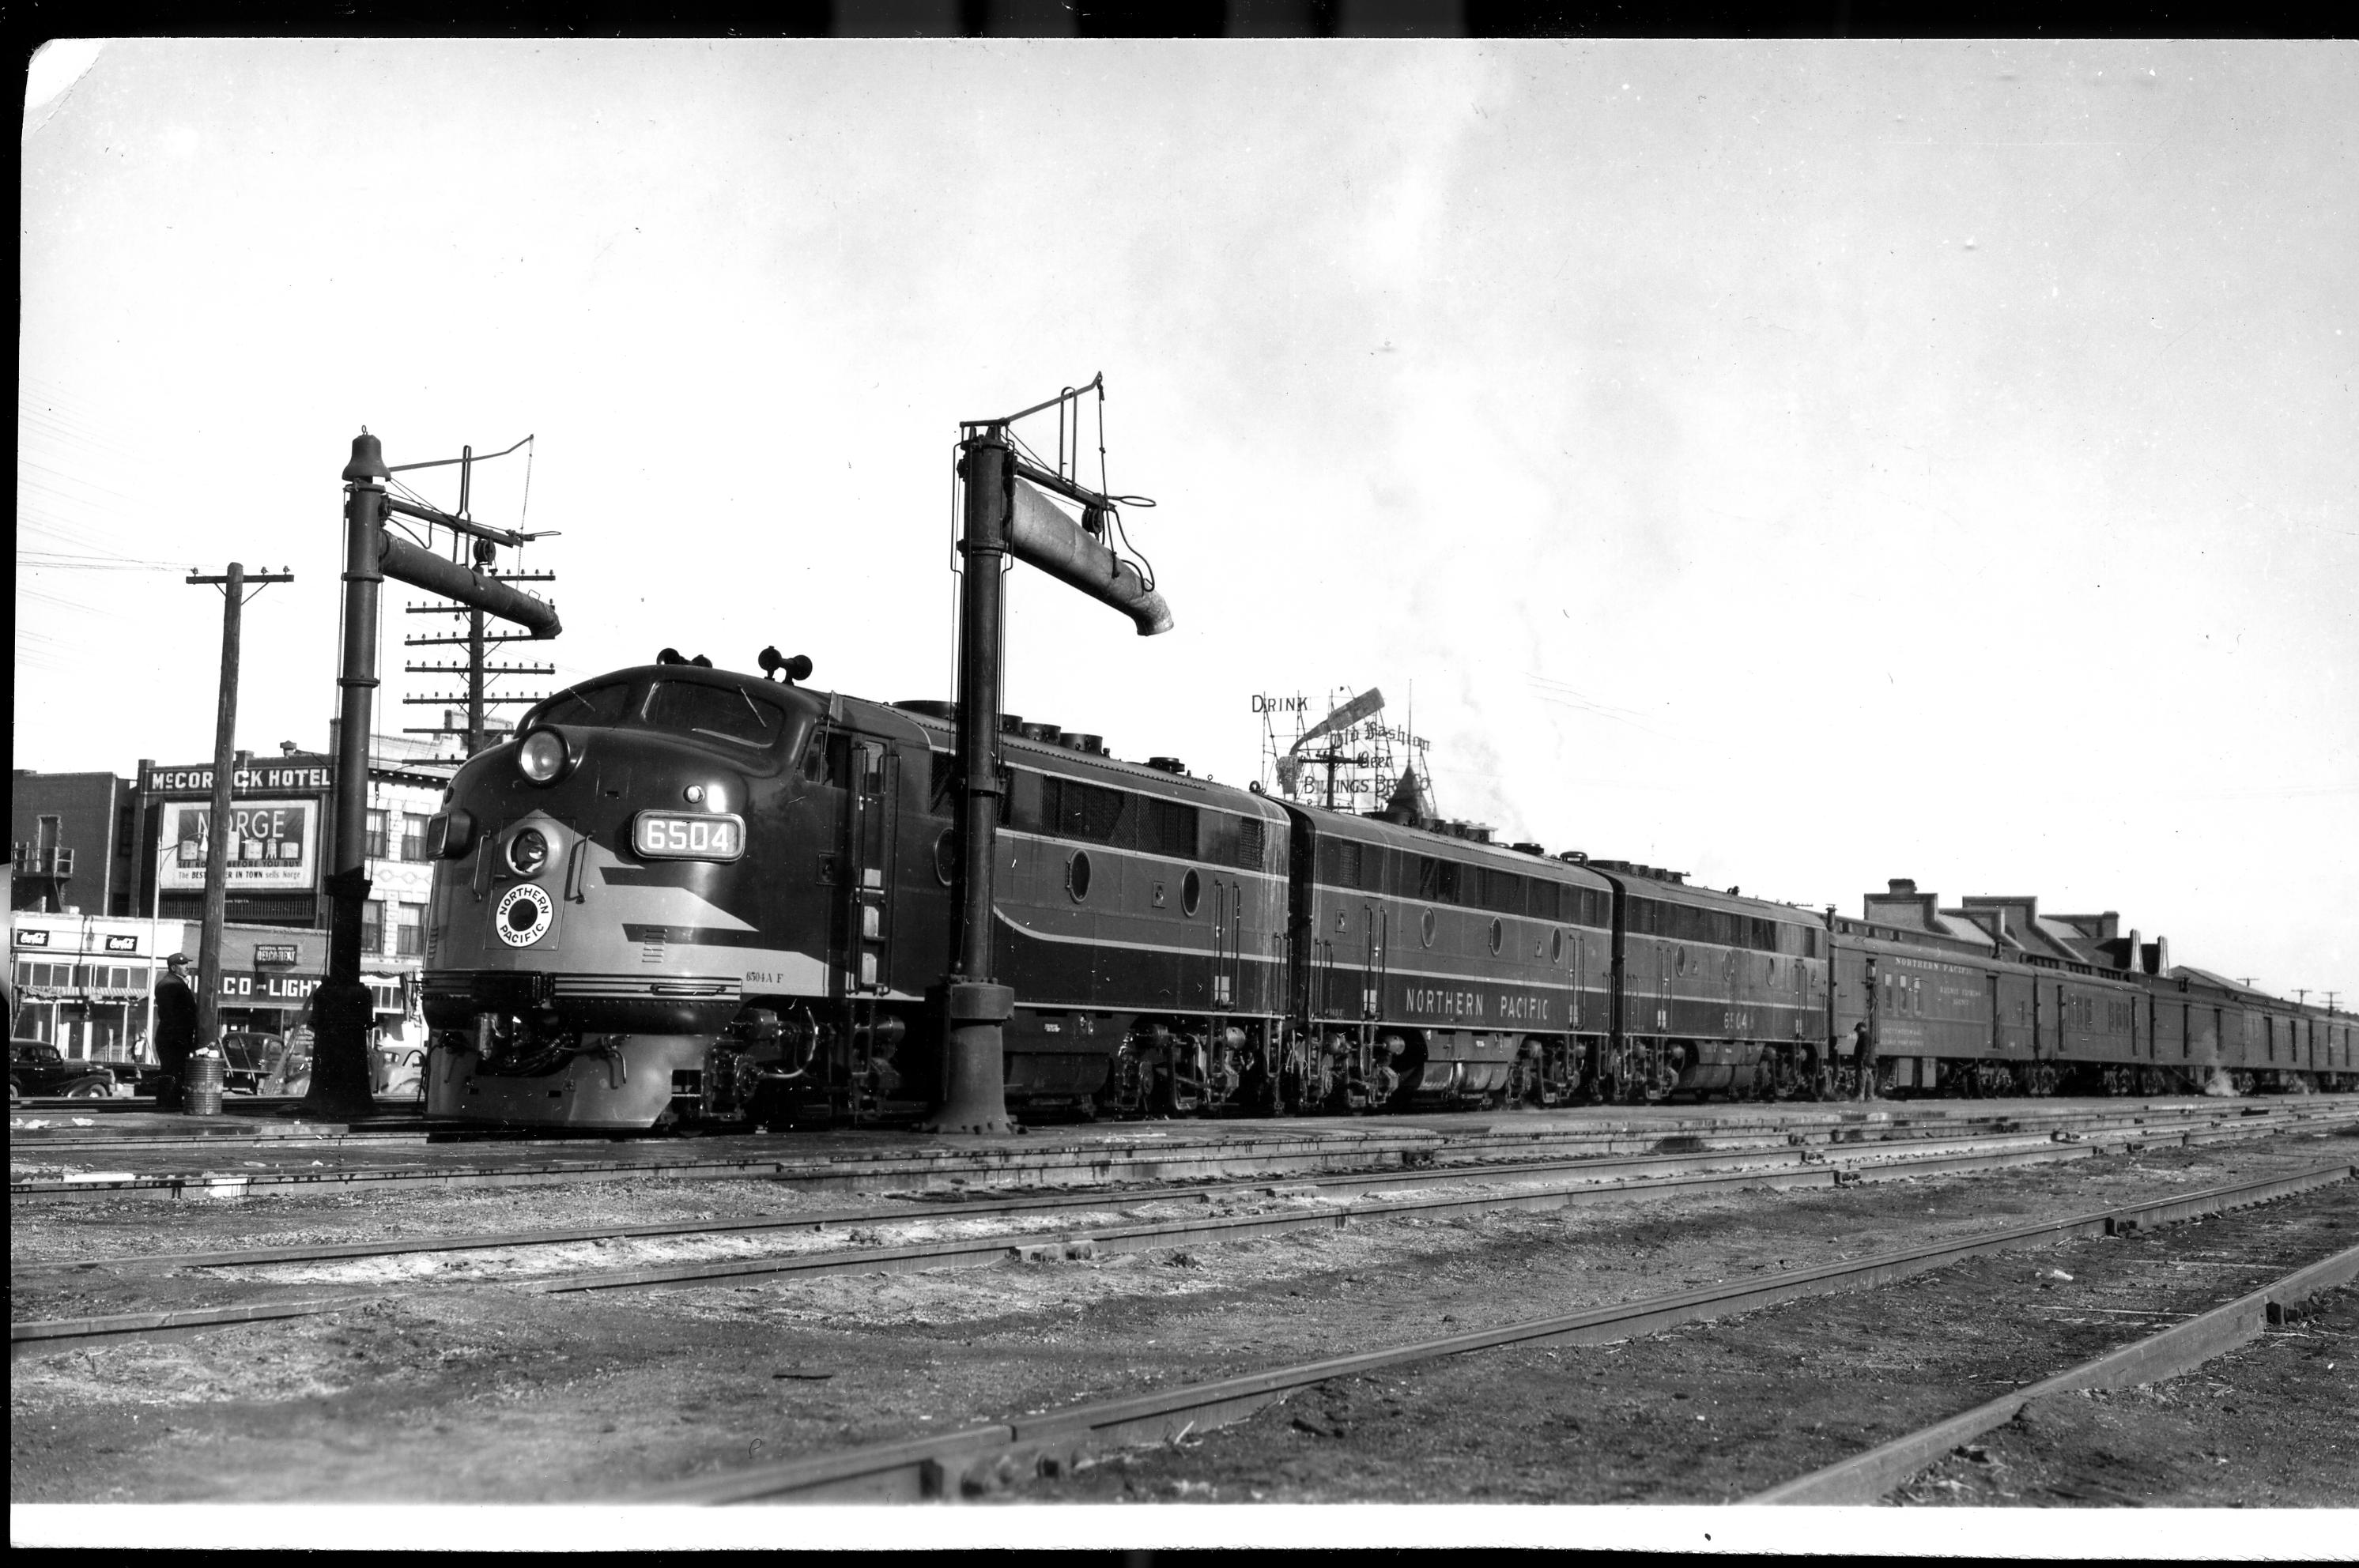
[[1039, 534], [789, 670]]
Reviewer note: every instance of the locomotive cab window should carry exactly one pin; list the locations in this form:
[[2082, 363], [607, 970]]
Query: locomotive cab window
[[592, 707], [716, 713]]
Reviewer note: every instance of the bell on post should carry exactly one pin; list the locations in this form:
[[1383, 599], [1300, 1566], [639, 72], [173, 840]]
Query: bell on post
[[368, 457]]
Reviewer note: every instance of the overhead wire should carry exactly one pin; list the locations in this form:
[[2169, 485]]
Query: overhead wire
[[62, 561]]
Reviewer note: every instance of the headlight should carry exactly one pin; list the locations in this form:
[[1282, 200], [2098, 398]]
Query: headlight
[[542, 756], [687, 835], [527, 853]]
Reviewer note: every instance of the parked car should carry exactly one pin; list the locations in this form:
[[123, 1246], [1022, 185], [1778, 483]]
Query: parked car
[[263, 1064], [400, 1072], [37, 1067]]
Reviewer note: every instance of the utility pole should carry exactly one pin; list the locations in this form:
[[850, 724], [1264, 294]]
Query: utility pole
[[479, 670], [233, 585]]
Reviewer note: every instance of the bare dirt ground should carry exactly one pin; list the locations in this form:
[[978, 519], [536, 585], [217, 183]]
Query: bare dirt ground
[[2274, 1424], [1714, 1412], [481, 1392]]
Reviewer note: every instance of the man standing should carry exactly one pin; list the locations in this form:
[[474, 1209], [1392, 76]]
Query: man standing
[[1863, 1056], [176, 1029]]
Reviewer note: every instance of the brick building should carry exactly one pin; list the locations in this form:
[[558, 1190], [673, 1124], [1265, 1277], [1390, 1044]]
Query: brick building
[[71, 845]]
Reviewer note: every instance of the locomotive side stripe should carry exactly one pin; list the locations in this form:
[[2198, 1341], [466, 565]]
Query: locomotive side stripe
[[1202, 952], [700, 935]]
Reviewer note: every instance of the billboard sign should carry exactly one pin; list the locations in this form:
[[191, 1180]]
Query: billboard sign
[[272, 844]]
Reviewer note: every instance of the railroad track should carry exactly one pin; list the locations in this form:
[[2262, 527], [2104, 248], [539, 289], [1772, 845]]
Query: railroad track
[[1135, 1153], [1531, 1185], [1540, 1185], [978, 1459]]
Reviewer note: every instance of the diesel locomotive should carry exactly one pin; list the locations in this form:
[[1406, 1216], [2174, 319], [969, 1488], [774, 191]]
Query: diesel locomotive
[[687, 895]]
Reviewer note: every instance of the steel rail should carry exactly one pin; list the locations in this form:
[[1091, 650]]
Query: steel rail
[[48, 1336], [975, 1459], [2182, 1348], [1283, 1147]]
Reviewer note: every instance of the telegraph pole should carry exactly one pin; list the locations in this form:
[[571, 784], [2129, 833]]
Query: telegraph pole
[[233, 585], [479, 669]]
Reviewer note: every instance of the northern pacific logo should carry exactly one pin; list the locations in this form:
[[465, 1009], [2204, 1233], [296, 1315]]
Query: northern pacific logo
[[524, 914]]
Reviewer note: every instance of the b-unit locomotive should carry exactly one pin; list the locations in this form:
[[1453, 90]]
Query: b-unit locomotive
[[685, 894]]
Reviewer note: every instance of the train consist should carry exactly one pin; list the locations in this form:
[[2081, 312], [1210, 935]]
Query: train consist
[[689, 896]]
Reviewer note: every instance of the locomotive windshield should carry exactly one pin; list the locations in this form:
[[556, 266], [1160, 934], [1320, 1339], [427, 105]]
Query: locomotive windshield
[[720, 713], [592, 707], [728, 714]]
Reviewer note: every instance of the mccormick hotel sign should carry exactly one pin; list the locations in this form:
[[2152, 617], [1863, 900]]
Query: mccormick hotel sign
[[273, 831]]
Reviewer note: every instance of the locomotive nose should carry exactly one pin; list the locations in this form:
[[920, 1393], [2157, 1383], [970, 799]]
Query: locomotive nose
[[530, 862]]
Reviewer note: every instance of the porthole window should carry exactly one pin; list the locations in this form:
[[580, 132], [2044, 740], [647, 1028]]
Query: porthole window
[[1498, 935], [946, 856], [1425, 925], [1191, 889], [1682, 960], [1555, 946], [1077, 875]]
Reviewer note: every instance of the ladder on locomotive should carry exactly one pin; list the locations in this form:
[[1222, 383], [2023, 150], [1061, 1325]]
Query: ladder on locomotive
[[871, 775]]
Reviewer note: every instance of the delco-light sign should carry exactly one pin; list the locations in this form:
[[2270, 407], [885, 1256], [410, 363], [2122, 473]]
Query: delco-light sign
[[272, 844], [279, 990]]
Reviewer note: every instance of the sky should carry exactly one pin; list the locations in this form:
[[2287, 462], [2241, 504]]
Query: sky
[[1796, 464]]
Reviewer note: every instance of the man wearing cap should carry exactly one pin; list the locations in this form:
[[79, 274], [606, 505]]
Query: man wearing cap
[[1863, 1056], [176, 1029]]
